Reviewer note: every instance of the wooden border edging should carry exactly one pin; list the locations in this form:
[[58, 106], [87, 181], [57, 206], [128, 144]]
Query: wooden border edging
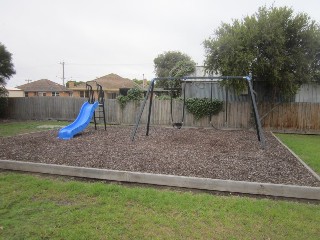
[[279, 190]]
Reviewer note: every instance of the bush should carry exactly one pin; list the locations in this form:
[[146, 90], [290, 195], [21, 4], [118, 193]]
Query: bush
[[201, 107], [164, 97], [134, 94]]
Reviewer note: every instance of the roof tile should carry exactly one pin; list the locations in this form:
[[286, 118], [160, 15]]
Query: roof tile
[[110, 81], [43, 85]]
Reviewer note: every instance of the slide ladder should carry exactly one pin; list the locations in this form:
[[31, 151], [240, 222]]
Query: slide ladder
[[100, 111]]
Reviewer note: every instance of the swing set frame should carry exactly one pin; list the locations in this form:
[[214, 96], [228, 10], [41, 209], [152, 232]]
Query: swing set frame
[[150, 93]]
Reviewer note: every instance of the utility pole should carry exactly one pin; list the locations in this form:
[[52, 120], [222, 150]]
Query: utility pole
[[28, 80], [143, 82], [62, 63]]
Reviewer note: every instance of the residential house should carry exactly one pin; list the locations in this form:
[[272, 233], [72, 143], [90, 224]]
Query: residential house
[[15, 92], [45, 88], [111, 85]]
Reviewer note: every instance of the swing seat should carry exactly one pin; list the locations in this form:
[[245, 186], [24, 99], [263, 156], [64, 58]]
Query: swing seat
[[177, 125]]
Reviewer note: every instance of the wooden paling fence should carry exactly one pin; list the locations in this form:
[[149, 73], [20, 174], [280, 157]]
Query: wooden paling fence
[[293, 117]]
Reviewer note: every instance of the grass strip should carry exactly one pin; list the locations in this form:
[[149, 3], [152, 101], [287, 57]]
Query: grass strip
[[13, 128], [37, 207], [307, 147]]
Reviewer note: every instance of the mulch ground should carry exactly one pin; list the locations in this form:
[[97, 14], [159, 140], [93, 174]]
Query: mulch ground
[[208, 153]]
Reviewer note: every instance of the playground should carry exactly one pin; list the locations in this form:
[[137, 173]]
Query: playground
[[195, 152]]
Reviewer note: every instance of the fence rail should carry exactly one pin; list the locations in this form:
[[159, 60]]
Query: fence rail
[[292, 117]]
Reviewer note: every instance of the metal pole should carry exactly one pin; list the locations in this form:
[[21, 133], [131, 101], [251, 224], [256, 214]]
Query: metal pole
[[138, 118], [184, 102], [150, 107], [227, 102], [256, 114]]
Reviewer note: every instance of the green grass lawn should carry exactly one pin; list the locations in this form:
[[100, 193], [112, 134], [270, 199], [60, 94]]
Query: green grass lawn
[[307, 147], [12, 128], [37, 207]]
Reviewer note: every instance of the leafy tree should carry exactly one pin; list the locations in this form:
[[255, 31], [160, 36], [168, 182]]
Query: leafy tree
[[6, 71], [3, 101], [74, 82], [140, 82], [134, 94], [173, 64], [6, 65], [277, 47]]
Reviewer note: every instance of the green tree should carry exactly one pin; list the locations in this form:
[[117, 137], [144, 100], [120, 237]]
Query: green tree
[[140, 82], [134, 94], [3, 101], [6, 65], [74, 82], [6, 71], [278, 47], [173, 64]]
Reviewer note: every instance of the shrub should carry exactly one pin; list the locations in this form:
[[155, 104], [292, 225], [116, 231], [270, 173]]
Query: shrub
[[201, 107], [164, 97], [134, 94]]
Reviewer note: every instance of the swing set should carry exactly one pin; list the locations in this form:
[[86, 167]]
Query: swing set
[[178, 125]]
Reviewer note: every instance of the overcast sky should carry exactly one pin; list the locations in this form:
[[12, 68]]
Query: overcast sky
[[98, 37]]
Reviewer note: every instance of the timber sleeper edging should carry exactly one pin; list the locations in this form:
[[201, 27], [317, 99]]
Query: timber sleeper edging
[[277, 190]]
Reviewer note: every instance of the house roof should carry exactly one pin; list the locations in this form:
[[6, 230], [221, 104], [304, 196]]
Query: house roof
[[13, 89], [43, 85], [108, 82]]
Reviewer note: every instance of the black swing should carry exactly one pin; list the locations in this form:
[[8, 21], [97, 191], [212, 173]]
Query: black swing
[[177, 125]]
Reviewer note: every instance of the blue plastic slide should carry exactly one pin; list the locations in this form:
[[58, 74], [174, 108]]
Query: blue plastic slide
[[80, 123]]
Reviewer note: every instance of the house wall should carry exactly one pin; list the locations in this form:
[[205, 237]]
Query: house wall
[[48, 94], [107, 94], [76, 93], [308, 93], [111, 94], [32, 94], [16, 93], [64, 94]]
